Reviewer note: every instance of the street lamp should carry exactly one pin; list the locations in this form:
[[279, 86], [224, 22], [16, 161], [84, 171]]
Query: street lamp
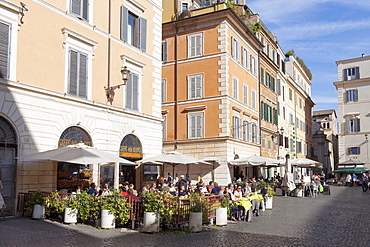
[[109, 91]]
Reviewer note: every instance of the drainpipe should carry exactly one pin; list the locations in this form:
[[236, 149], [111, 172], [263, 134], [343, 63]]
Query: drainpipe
[[109, 40], [176, 77]]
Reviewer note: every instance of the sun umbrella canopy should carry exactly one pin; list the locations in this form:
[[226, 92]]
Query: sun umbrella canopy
[[174, 158], [78, 154], [305, 163], [354, 170], [254, 160]]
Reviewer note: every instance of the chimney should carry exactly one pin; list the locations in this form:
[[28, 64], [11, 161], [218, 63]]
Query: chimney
[[363, 54]]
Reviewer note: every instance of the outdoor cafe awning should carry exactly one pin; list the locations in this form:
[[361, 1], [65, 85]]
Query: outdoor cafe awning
[[350, 170]]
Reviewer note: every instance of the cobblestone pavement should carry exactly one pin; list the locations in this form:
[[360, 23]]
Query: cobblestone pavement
[[339, 219]]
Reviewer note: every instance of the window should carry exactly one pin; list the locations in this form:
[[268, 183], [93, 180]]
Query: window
[[352, 95], [195, 86], [77, 73], [237, 128], [235, 48], [292, 146], [269, 144], [247, 131], [299, 147], [132, 92], [184, 6], [290, 94], [254, 66], [164, 128], [151, 172], [245, 94], [245, 58], [255, 133], [235, 87], [254, 99], [5, 30], [351, 73], [195, 45], [353, 125], [269, 114], [262, 77], [80, 8], [163, 91], [283, 92], [268, 50], [196, 125], [284, 112], [353, 150], [291, 121], [133, 29], [164, 51], [263, 143]]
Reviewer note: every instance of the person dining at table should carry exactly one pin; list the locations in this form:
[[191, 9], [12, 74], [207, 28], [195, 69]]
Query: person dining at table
[[238, 194], [234, 209], [248, 189]]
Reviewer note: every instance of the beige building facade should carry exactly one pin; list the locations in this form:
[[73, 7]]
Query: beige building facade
[[61, 83]]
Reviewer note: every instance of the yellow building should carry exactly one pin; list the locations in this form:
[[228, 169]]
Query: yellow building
[[210, 86], [61, 83]]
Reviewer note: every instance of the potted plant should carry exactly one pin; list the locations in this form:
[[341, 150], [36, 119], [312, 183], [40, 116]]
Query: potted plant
[[88, 207], [198, 211], [270, 194], [221, 212], [71, 211], [54, 206], [299, 190], [36, 202], [159, 208], [114, 207]]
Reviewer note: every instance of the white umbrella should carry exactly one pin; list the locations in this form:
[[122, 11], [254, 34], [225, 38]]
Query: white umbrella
[[306, 163], [254, 160], [77, 154], [174, 158]]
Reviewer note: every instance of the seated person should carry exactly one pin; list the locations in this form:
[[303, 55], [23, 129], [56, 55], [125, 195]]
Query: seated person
[[238, 194]]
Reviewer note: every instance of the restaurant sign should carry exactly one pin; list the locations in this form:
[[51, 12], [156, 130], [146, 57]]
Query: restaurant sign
[[131, 148], [74, 135]]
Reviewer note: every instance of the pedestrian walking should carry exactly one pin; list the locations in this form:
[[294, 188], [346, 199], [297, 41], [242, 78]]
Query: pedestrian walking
[[365, 181]]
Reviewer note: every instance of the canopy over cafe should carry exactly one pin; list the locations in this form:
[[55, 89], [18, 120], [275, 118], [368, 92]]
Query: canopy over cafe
[[70, 176]]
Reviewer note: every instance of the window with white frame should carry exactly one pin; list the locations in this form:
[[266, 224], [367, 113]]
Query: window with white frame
[[245, 94], [353, 125], [133, 29], [235, 87], [235, 48], [237, 127], [247, 131], [255, 133], [352, 95], [284, 112], [80, 8], [195, 45], [254, 66], [195, 125], [299, 147], [164, 51], [195, 86], [163, 91], [245, 58], [77, 73], [254, 99], [184, 6], [132, 92], [151, 172], [351, 73]]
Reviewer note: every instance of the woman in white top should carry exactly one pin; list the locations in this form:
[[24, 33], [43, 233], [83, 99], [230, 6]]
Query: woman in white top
[[238, 194]]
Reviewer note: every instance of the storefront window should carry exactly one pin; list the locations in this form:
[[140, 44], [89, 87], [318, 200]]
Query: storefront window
[[151, 172], [71, 176]]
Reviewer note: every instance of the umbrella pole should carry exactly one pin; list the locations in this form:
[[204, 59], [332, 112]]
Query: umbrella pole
[[173, 172]]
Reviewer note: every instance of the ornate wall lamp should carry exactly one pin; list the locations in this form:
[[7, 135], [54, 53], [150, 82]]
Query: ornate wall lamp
[[109, 91]]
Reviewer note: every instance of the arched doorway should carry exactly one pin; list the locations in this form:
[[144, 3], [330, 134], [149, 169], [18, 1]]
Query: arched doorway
[[131, 150], [71, 175], [8, 149]]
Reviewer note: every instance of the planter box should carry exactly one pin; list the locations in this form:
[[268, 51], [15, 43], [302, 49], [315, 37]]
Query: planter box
[[269, 201], [70, 215], [196, 221], [107, 219], [38, 211], [221, 217], [151, 222]]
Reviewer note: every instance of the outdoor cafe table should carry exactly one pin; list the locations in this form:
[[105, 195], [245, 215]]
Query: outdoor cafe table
[[259, 197], [247, 205]]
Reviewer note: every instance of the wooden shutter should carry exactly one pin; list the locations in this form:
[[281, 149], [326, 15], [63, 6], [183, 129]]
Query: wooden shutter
[[73, 72], [135, 92], [82, 78], [4, 49], [76, 7], [357, 72], [129, 91], [345, 77], [262, 75], [198, 86], [192, 126], [142, 33], [192, 84], [278, 87], [164, 51], [355, 95], [199, 45], [85, 9], [192, 46], [163, 91], [124, 23], [199, 121]]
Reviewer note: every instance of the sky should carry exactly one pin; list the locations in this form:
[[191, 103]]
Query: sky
[[320, 32]]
